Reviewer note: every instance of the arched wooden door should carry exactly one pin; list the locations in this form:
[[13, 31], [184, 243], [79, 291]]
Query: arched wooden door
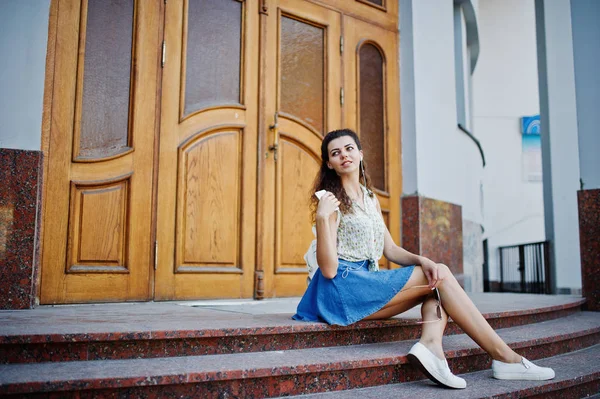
[[372, 110], [302, 89], [206, 207]]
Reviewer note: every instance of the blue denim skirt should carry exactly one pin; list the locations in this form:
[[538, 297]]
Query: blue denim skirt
[[353, 294]]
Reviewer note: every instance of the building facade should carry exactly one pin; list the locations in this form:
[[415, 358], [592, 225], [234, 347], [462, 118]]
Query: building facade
[[164, 150]]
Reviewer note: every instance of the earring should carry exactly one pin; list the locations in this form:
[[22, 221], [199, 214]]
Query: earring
[[362, 168]]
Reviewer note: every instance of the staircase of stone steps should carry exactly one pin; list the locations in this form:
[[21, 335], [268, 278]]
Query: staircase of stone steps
[[578, 376], [165, 350]]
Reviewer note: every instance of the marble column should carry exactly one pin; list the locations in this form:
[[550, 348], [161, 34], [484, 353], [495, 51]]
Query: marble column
[[20, 191]]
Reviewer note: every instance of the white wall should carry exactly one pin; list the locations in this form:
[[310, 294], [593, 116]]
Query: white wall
[[586, 51], [439, 161], [23, 40], [505, 88]]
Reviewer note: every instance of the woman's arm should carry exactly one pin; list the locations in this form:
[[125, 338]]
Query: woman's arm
[[327, 225], [397, 254], [393, 252], [401, 256]]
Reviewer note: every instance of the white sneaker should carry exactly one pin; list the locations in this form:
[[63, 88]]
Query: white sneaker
[[433, 367], [525, 370]]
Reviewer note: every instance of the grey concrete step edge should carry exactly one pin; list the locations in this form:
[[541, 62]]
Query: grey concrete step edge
[[545, 313], [572, 370], [57, 376]]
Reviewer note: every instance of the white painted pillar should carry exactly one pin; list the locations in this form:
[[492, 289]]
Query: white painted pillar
[[407, 94], [560, 153], [586, 50], [585, 15]]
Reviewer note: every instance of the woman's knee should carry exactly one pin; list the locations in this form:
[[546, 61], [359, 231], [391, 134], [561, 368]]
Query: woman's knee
[[446, 272], [445, 269]]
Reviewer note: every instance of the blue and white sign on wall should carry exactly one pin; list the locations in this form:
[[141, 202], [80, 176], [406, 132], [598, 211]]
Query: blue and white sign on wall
[[532, 148], [530, 124]]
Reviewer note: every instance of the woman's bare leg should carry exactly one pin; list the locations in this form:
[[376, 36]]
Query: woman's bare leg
[[462, 310], [464, 313], [392, 310], [404, 300], [432, 333], [405, 297]]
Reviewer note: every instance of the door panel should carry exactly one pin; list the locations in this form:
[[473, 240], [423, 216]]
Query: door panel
[[373, 111], [302, 88], [207, 158], [98, 226], [296, 161], [97, 218], [208, 202]]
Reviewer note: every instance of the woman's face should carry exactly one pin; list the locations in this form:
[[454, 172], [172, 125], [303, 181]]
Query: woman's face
[[344, 155]]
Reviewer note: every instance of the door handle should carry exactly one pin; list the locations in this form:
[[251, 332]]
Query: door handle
[[275, 129]]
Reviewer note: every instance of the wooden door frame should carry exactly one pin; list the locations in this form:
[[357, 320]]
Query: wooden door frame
[[390, 200], [155, 160], [47, 108]]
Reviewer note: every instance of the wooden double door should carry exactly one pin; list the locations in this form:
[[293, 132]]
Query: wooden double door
[[185, 136]]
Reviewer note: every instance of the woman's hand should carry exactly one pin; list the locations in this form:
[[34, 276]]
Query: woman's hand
[[435, 274], [327, 234], [327, 205]]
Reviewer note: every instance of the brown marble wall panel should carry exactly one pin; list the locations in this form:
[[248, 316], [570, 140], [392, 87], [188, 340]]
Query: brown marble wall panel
[[433, 228], [589, 241], [410, 224], [20, 188]]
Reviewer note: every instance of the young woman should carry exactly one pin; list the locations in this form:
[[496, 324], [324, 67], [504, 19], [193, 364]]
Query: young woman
[[348, 286]]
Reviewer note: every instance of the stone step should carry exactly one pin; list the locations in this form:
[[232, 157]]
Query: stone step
[[130, 331], [577, 376], [288, 372]]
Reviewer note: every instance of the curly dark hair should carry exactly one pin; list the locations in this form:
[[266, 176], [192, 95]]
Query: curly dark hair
[[328, 179]]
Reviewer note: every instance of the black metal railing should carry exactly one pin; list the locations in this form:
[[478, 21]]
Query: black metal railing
[[525, 268]]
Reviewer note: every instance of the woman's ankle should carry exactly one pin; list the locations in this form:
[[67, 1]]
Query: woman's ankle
[[507, 357], [434, 347]]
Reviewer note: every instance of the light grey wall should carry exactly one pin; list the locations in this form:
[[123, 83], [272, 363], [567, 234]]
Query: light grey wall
[[407, 99], [431, 140], [560, 152], [585, 16], [23, 40], [503, 92]]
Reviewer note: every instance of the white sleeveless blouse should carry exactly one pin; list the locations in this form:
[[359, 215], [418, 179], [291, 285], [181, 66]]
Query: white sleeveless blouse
[[360, 235]]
